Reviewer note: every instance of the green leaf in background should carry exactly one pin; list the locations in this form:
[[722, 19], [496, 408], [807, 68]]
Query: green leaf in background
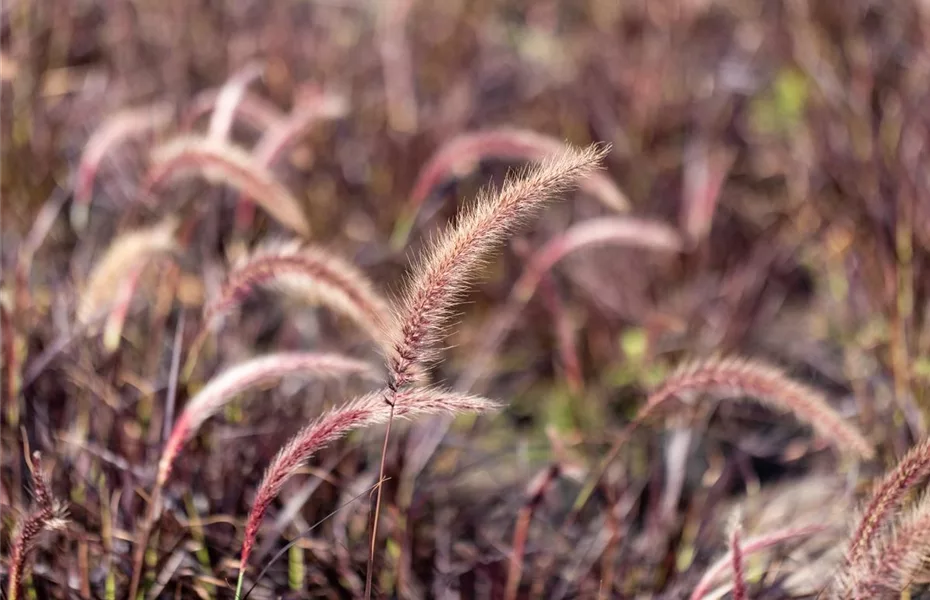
[[780, 108]]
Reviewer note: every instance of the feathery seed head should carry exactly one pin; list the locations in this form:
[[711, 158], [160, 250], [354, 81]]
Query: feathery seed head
[[450, 263], [767, 384], [125, 255], [312, 275], [222, 388], [370, 409], [887, 497], [225, 163]]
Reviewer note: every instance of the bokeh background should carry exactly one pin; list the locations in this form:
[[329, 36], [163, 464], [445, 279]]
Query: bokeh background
[[784, 142]]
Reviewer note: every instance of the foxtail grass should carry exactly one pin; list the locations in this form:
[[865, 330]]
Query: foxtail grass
[[311, 108], [769, 385], [114, 131], [308, 274], [737, 377], [252, 110], [452, 261], [228, 99], [121, 263], [367, 410], [894, 560], [227, 164], [887, 497], [47, 515], [464, 153], [217, 394]]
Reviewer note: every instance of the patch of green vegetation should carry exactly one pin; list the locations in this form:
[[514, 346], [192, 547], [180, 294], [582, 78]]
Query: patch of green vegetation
[[779, 110]]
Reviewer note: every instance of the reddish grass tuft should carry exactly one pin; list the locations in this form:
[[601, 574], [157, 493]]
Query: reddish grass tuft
[[463, 153], [751, 546], [228, 100], [887, 497], [312, 275], [451, 262], [213, 397], [48, 515], [115, 130], [737, 376], [312, 109], [122, 263], [252, 110], [235, 380], [370, 409], [705, 173], [230, 165], [893, 561]]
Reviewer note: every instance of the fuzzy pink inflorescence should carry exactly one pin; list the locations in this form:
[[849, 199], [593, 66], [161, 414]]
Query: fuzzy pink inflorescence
[[227, 163], [767, 384], [889, 565], [887, 497], [243, 376], [507, 143], [115, 130], [451, 262], [369, 409], [310, 274]]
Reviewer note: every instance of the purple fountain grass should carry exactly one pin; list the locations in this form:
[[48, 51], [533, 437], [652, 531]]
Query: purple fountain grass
[[217, 394], [440, 278], [462, 153], [122, 301], [620, 231], [263, 369], [704, 176], [122, 262], [887, 497], [115, 130], [311, 108], [451, 263], [228, 100], [751, 546], [738, 376], [230, 165], [309, 111], [893, 561], [252, 110], [48, 515], [370, 409], [311, 275], [736, 561]]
